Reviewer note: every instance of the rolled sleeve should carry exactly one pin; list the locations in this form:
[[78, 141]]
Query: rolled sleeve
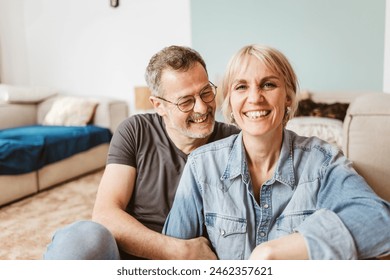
[[185, 219], [327, 237]]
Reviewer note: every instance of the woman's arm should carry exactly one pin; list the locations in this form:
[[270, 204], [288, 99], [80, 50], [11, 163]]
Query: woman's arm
[[185, 219]]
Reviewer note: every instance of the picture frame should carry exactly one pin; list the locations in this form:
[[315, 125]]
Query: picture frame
[[114, 3]]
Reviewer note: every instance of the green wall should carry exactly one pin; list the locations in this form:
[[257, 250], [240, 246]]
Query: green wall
[[332, 44]]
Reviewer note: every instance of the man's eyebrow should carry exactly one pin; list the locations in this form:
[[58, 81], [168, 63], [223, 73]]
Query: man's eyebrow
[[187, 95], [206, 86]]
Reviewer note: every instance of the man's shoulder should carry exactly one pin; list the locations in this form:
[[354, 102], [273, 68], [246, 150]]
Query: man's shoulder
[[222, 147], [223, 130], [142, 120], [145, 118]]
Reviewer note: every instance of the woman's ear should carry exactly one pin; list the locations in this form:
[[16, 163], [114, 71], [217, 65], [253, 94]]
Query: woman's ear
[[157, 105], [288, 100]]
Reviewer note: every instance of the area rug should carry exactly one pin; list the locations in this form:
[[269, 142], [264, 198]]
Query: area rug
[[27, 226]]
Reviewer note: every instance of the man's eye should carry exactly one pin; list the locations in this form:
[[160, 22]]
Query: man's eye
[[207, 93], [185, 101]]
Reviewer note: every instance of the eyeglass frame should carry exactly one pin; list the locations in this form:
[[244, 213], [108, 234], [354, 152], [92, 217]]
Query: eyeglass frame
[[193, 97]]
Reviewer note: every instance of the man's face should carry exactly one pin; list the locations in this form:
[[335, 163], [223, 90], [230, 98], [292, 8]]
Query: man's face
[[198, 122]]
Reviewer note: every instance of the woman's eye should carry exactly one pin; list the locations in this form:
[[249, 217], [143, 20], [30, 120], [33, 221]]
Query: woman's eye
[[268, 85], [240, 87]]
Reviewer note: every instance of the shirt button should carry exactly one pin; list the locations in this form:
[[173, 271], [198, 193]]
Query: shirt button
[[262, 234], [266, 206], [222, 232]]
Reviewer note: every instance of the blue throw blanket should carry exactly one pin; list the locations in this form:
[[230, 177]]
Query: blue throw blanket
[[29, 148]]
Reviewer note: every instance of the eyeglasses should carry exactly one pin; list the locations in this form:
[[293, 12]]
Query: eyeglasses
[[187, 103]]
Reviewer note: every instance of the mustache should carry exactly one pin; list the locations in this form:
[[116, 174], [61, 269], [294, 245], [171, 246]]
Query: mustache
[[195, 115]]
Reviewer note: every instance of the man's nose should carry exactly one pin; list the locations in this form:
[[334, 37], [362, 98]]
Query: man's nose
[[200, 106]]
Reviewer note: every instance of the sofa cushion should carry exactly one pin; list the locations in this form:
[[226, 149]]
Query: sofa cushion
[[29, 148], [19, 153], [70, 111], [308, 107], [328, 129]]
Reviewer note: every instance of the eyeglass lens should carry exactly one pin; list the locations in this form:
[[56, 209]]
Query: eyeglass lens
[[187, 103]]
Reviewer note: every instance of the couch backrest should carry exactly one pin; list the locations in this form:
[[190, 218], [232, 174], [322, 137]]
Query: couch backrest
[[13, 115], [366, 140]]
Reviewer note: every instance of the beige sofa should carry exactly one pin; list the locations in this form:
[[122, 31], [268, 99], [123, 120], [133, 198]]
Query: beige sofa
[[108, 113], [366, 140], [363, 135]]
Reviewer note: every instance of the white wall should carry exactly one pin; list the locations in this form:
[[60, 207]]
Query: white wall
[[386, 72], [13, 45], [86, 47]]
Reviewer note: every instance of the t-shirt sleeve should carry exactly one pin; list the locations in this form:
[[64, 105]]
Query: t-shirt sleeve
[[124, 143]]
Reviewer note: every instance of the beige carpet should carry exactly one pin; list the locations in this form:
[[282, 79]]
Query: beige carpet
[[26, 226]]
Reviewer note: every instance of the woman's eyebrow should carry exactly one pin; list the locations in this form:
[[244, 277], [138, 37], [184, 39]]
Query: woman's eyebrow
[[270, 77], [239, 81]]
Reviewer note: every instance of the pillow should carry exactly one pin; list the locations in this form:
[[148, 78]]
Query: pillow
[[329, 130], [307, 107], [70, 111], [18, 94]]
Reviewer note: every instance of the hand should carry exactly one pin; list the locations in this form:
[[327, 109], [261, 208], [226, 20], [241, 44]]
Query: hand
[[289, 247], [262, 252], [197, 249]]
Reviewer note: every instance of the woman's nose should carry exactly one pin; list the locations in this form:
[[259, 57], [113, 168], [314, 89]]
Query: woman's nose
[[255, 95]]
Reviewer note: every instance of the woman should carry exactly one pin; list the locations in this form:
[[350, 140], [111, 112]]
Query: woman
[[268, 193]]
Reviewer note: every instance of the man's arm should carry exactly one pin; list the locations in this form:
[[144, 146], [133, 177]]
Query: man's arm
[[289, 247], [115, 191]]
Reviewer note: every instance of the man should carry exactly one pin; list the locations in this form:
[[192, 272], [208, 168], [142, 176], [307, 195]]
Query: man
[[146, 157]]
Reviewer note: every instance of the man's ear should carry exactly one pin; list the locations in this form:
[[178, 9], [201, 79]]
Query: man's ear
[[157, 105]]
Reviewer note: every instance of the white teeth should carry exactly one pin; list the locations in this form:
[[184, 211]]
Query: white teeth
[[256, 114], [199, 120]]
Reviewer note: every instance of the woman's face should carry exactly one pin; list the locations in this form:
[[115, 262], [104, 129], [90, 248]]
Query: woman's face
[[258, 99]]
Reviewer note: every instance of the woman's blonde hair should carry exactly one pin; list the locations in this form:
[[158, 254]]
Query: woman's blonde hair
[[274, 60]]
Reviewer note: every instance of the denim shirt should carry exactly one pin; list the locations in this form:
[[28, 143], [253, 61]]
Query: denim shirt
[[314, 191]]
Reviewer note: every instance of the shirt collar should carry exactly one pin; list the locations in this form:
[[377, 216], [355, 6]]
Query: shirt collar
[[237, 164], [285, 167]]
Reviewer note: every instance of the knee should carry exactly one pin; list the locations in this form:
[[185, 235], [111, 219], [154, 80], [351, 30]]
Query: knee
[[83, 240]]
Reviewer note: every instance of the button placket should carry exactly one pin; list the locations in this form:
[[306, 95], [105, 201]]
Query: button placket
[[266, 214]]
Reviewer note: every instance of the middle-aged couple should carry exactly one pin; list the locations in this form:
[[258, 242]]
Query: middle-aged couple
[[179, 185]]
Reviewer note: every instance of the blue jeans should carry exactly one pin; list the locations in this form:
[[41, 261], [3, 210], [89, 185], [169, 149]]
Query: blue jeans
[[83, 240]]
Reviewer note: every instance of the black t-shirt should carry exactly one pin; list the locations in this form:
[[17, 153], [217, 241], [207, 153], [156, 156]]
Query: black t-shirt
[[141, 141]]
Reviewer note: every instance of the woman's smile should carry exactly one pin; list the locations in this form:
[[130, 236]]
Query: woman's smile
[[253, 115]]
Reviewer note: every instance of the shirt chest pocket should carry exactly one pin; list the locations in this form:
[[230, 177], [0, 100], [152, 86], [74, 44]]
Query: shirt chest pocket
[[227, 235], [287, 222]]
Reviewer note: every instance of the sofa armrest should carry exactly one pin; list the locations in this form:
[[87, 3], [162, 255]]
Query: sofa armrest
[[366, 140], [110, 112], [13, 115]]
